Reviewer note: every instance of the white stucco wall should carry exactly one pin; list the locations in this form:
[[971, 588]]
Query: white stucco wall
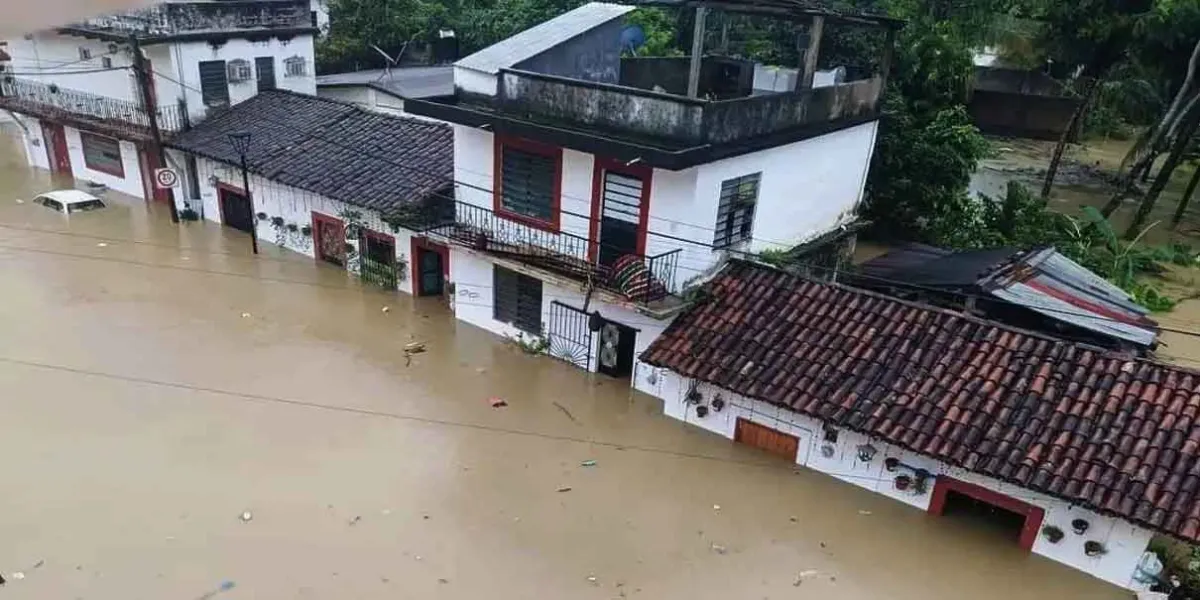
[[295, 206], [368, 98], [807, 188], [32, 142], [130, 184], [1124, 541], [187, 56], [474, 296], [51, 58], [474, 82]]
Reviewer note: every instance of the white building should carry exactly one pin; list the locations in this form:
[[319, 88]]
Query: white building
[[385, 90], [592, 191], [327, 179], [1080, 450], [78, 98]]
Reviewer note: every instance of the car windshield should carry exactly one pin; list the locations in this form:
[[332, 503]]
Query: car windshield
[[86, 205]]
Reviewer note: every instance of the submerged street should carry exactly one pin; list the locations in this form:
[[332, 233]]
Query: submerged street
[[157, 382]]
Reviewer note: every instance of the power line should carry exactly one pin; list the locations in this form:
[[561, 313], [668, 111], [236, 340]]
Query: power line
[[81, 72]]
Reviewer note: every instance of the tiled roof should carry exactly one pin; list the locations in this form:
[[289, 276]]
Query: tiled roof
[[1116, 435], [331, 148], [542, 37]]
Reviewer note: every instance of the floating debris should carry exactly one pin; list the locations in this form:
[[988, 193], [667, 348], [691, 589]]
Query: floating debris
[[385, 512], [719, 549], [443, 580], [804, 575], [565, 488], [497, 402], [39, 564], [592, 579], [246, 516], [865, 513], [18, 575], [716, 507], [355, 520], [386, 309], [588, 463], [565, 412], [19, 201], [245, 315], [794, 519], [101, 245]]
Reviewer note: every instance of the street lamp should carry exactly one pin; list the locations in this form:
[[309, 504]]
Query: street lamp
[[241, 144]]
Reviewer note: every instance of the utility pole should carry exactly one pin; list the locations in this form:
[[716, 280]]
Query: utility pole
[[143, 75]]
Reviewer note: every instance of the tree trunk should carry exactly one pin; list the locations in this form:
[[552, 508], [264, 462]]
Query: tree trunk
[[1093, 87], [1186, 198], [1166, 126], [1178, 150]]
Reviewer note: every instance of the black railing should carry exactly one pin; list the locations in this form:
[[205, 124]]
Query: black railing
[[640, 278], [175, 18], [50, 101]]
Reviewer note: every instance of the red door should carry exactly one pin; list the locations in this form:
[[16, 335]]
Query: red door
[[1032, 514], [149, 162], [329, 234], [56, 147]]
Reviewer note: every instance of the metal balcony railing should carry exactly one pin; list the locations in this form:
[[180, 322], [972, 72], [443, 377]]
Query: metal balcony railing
[[177, 18], [641, 279], [92, 111]]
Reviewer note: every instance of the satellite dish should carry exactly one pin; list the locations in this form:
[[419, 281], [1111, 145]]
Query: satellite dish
[[632, 37]]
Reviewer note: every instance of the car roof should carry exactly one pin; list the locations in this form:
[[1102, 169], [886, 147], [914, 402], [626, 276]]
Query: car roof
[[69, 196]]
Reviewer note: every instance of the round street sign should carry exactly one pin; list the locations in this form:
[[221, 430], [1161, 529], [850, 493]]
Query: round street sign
[[165, 178]]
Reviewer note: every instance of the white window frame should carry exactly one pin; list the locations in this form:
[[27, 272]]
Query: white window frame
[[238, 71], [737, 201], [295, 66]]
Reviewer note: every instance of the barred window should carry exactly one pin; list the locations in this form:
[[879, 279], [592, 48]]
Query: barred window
[[239, 70], [528, 180], [517, 300], [735, 213], [295, 66]]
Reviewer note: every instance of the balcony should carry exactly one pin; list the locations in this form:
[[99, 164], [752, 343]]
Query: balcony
[[647, 281], [109, 116], [176, 20]]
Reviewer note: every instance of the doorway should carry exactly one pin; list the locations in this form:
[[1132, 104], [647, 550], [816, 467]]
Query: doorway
[[765, 438], [1012, 518], [431, 267], [236, 211], [329, 239], [56, 148], [621, 200], [614, 353], [149, 163], [378, 262]]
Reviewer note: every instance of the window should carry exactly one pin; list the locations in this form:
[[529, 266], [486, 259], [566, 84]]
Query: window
[[294, 66], [106, 62], [265, 65], [830, 435], [518, 300], [54, 204], [238, 70], [735, 213], [102, 154], [84, 206], [528, 181], [214, 83], [85, 53]]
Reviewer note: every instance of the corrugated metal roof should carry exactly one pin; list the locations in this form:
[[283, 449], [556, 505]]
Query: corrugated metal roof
[[542, 37], [407, 82]]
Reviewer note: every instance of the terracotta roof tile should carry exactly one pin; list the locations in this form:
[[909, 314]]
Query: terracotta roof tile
[[1118, 436]]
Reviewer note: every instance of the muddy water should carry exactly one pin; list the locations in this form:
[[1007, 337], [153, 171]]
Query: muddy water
[[156, 382]]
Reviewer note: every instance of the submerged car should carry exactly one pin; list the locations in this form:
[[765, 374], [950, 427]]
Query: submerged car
[[69, 201]]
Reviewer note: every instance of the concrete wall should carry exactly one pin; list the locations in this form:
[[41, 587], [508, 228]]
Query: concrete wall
[[33, 143], [473, 301], [188, 55], [1124, 541], [130, 184], [368, 98], [594, 55], [295, 206]]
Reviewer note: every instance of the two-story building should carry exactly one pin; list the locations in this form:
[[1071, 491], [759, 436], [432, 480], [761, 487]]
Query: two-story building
[[595, 188], [82, 108]]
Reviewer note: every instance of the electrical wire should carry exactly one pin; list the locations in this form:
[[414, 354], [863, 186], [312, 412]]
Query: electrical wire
[[81, 72]]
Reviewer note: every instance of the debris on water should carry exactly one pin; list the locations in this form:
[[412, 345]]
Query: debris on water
[[18, 575], [39, 564], [719, 549], [385, 512], [865, 513], [2, 582], [497, 402], [418, 557], [481, 370], [716, 507], [804, 575], [414, 347], [245, 315], [794, 519], [588, 463], [386, 309], [565, 412], [592, 579], [443, 580], [355, 520], [426, 517], [20, 201], [101, 245], [246, 516], [565, 488]]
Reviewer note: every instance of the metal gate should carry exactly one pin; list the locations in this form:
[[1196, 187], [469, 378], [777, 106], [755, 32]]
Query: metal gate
[[569, 336], [377, 264]]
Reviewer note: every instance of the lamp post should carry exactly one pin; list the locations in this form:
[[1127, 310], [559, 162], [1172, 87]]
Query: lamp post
[[241, 144]]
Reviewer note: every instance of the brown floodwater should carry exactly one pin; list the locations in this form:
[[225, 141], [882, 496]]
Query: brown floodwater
[[158, 381]]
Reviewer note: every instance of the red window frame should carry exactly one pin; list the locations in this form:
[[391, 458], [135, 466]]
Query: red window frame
[[643, 172], [117, 172], [554, 152], [1033, 515]]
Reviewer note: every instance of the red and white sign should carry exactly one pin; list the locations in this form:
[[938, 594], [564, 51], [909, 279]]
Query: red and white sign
[[165, 179]]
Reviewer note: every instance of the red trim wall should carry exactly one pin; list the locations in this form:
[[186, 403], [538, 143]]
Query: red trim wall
[[500, 142], [646, 174], [419, 243], [222, 189], [1033, 515], [117, 172]]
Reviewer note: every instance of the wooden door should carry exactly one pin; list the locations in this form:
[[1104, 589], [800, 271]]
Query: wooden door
[[236, 211], [329, 234], [765, 438], [56, 147]]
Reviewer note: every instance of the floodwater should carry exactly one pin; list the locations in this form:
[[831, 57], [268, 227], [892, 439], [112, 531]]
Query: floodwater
[[156, 382]]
